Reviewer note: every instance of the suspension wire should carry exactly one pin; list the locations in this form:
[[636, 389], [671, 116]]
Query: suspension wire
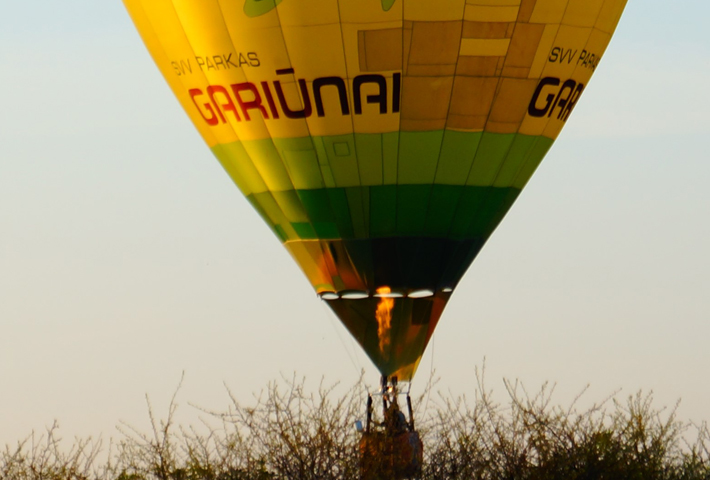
[[431, 371], [350, 351]]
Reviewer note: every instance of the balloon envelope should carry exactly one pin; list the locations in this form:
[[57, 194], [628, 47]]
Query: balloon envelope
[[381, 140]]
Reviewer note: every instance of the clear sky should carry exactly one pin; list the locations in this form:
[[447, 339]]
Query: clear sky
[[127, 256]]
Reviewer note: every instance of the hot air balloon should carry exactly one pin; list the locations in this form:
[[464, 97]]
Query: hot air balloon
[[382, 141]]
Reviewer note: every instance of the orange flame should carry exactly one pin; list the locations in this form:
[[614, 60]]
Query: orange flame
[[384, 318]]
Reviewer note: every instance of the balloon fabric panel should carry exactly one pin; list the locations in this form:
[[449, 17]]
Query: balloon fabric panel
[[382, 141]]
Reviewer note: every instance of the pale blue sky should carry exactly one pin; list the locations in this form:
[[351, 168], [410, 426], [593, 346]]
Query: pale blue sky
[[127, 256]]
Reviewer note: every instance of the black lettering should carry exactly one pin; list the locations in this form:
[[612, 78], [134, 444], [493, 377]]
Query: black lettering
[[307, 109], [253, 59], [569, 54], [396, 91], [200, 62], [565, 113], [228, 61], [559, 54], [338, 82], [242, 60], [218, 61], [380, 98], [533, 109], [182, 67], [560, 101]]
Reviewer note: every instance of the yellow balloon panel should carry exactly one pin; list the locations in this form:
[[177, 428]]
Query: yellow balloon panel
[[381, 140], [323, 67]]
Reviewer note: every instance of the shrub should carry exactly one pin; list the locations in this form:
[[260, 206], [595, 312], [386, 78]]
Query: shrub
[[291, 433]]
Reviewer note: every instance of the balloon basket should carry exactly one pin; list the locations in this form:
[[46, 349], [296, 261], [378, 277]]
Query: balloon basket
[[392, 448]]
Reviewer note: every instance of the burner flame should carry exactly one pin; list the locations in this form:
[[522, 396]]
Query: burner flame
[[384, 319]]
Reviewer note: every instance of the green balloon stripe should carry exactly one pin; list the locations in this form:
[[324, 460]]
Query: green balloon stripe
[[405, 158], [436, 211], [441, 184]]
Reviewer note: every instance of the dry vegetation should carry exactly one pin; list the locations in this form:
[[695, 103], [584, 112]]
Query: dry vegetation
[[291, 433]]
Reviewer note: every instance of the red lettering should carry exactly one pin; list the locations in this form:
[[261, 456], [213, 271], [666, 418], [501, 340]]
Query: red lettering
[[238, 88], [212, 120], [270, 99], [212, 90]]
